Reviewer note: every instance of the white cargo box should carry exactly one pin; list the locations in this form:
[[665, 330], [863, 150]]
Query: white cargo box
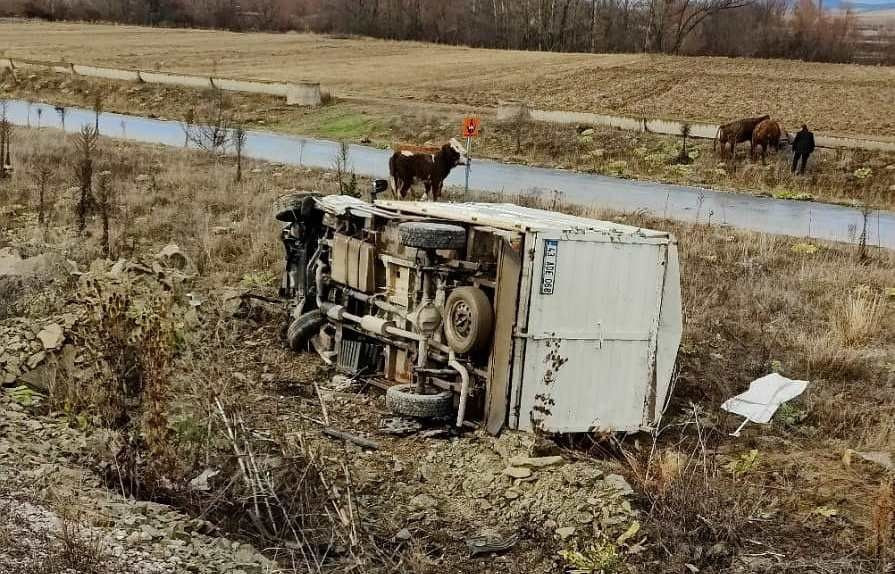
[[592, 316]]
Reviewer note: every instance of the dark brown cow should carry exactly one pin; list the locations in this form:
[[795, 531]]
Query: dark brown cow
[[767, 134], [405, 167], [736, 132]]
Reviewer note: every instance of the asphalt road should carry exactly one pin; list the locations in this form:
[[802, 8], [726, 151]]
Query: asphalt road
[[689, 204]]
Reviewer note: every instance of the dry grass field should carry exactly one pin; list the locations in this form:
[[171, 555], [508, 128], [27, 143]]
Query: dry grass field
[[785, 497], [832, 98]]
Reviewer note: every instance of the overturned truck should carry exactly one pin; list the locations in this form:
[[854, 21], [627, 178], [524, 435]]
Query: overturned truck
[[495, 313]]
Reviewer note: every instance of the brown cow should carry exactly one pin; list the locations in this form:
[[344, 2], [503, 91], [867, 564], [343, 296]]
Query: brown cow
[[767, 134], [736, 132], [432, 169]]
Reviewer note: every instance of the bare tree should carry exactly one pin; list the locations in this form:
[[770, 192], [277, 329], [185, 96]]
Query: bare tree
[[239, 141], [98, 100], [671, 22], [5, 142], [85, 144]]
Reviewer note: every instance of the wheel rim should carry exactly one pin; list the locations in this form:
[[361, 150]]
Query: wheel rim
[[461, 318]]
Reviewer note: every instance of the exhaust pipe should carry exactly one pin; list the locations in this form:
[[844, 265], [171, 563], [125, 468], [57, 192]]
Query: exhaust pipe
[[464, 386]]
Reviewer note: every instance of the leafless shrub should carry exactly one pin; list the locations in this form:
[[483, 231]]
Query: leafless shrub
[[327, 98], [98, 102], [85, 145], [345, 176], [5, 143], [694, 513], [60, 110], [239, 141], [130, 324], [73, 548], [105, 203], [209, 127], [295, 506], [684, 157]]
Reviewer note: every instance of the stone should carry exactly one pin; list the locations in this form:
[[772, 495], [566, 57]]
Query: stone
[[35, 359], [51, 336], [403, 534], [544, 447], [172, 255], [882, 458], [9, 260], [201, 481], [619, 483], [565, 532], [245, 554], [536, 462], [517, 472], [584, 517], [423, 501]]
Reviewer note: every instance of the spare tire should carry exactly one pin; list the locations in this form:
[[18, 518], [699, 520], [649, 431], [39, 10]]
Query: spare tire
[[294, 206], [427, 235], [300, 331], [468, 320], [403, 400]]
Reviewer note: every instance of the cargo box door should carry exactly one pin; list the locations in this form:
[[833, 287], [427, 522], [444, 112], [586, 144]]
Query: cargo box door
[[590, 341]]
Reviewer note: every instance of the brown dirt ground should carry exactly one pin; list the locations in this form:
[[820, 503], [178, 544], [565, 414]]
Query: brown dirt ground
[[830, 97]]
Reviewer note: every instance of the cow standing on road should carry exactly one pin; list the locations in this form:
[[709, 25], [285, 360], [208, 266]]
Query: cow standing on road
[[802, 148], [432, 169]]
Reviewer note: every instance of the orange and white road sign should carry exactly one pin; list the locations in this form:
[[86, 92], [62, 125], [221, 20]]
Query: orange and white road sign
[[471, 126]]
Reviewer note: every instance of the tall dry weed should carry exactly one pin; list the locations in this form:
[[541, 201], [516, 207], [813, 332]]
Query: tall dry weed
[[884, 520], [858, 317]]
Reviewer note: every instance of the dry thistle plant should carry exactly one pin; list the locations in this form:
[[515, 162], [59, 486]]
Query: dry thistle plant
[[85, 145]]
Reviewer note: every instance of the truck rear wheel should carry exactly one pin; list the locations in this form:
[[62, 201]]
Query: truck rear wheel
[[468, 320], [403, 400]]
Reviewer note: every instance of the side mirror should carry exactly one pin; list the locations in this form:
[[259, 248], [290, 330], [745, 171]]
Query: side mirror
[[379, 186]]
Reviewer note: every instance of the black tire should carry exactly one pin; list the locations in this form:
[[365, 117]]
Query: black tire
[[294, 206], [403, 400], [468, 320], [300, 331], [425, 235]]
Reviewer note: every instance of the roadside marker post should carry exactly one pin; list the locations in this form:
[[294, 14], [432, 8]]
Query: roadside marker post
[[470, 130]]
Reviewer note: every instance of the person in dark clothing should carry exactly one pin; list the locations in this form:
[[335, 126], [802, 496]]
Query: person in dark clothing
[[802, 148]]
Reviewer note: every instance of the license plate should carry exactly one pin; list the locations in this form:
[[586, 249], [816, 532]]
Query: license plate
[[548, 270]]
